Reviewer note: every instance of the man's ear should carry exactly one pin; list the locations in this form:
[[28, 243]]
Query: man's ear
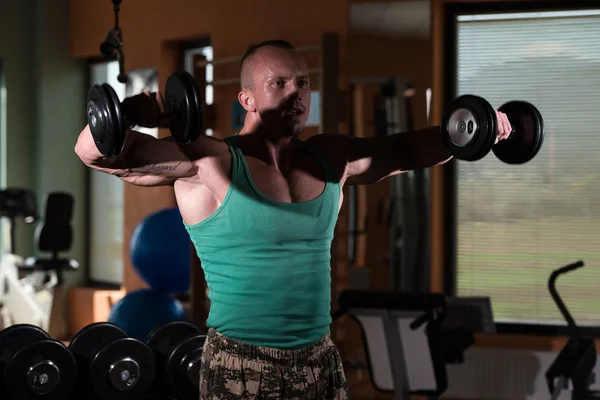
[[247, 101]]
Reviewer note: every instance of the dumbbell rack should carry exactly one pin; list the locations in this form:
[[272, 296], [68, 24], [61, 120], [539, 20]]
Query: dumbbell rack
[[101, 363]]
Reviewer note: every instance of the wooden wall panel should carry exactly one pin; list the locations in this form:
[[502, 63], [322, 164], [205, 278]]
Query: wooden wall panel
[[147, 23], [389, 56], [437, 235]]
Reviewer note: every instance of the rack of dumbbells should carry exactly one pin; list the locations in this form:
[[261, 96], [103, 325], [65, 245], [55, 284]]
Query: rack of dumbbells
[[101, 363]]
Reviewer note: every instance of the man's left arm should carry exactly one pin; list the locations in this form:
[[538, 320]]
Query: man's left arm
[[370, 160], [373, 159]]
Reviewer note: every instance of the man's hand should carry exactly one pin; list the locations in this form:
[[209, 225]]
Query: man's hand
[[146, 110], [504, 128]]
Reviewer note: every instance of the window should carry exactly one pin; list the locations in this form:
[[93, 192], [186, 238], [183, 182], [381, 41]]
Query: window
[[515, 224], [106, 202], [207, 52]]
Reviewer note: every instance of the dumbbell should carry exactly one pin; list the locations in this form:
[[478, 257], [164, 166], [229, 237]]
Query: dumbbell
[[108, 121], [469, 129], [177, 347], [34, 366], [112, 366]]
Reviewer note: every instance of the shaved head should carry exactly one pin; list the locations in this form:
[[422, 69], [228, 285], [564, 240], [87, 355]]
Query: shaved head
[[275, 89], [247, 65]]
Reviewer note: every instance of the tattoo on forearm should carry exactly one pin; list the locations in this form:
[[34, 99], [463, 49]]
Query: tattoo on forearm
[[152, 166], [146, 166]]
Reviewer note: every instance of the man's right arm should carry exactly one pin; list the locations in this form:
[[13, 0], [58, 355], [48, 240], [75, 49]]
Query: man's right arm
[[143, 161]]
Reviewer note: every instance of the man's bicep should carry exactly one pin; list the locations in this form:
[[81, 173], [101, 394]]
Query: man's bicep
[[352, 156], [376, 158], [335, 148], [203, 147], [360, 155]]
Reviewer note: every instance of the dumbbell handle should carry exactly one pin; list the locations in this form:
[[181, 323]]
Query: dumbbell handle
[[133, 110], [511, 135]]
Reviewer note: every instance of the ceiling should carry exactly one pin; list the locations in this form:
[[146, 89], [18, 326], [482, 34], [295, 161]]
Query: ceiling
[[391, 18]]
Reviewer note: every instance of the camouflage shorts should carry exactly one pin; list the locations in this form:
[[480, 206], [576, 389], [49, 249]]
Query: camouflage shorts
[[235, 370]]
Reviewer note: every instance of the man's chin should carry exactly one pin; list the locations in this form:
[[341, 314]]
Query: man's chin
[[298, 132], [294, 130]]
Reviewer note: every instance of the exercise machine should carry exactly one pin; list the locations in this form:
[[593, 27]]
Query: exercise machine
[[38, 298], [409, 338], [15, 203], [573, 368]]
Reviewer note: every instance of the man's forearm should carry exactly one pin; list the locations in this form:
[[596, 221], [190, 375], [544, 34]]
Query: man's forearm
[[144, 160], [87, 151]]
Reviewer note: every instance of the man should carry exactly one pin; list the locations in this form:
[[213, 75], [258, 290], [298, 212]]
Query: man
[[260, 208]]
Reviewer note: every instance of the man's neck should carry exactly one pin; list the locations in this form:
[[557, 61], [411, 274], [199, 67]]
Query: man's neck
[[274, 151]]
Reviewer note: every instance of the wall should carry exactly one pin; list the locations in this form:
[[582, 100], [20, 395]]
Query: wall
[[60, 86], [377, 56], [383, 56], [152, 30], [17, 41], [388, 56], [43, 87]]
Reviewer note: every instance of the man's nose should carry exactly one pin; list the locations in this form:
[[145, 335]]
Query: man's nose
[[294, 93]]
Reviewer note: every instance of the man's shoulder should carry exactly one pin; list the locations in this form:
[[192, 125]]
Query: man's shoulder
[[331, 143], [334, 146], [205, 146]]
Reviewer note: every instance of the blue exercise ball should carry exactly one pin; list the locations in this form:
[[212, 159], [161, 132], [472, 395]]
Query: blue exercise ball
[[160, 250], [140, 311]]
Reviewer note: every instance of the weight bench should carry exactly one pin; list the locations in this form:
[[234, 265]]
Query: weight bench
[[406, 342]]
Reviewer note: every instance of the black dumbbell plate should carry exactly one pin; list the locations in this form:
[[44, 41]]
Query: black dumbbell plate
[[105, 119], [41, 369], [184, 107], [528, 137], [469, 127]]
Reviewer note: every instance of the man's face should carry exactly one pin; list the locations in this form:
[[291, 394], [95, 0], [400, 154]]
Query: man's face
[[281, 90]]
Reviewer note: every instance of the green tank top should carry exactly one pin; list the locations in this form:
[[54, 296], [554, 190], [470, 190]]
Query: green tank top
[[267, 263]]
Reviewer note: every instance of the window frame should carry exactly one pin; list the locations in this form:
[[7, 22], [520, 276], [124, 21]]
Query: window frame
[[450, 177], [89, 282], [191, 45]]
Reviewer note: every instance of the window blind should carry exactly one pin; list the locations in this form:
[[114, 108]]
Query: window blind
[[515, 224]]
